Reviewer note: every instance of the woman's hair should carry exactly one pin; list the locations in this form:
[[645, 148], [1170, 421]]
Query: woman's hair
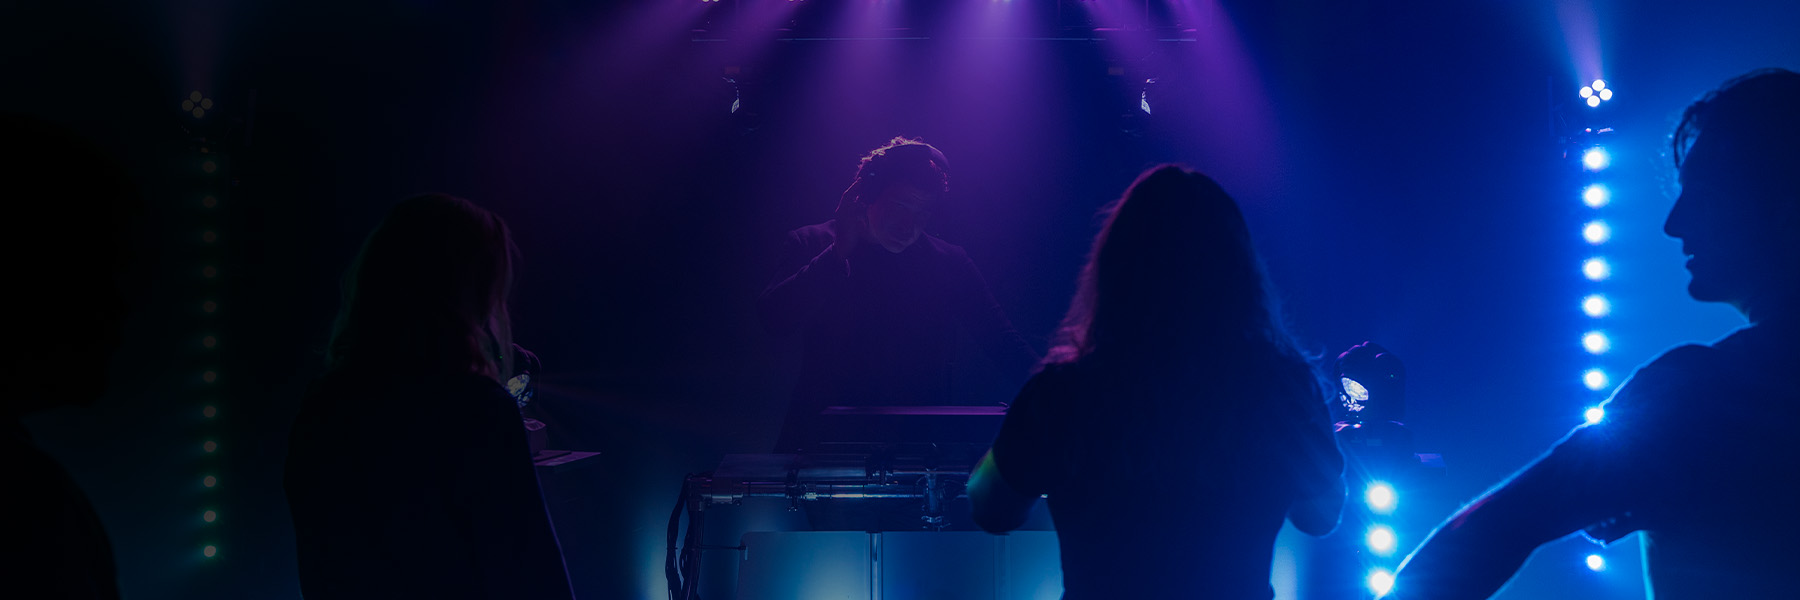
[[428, 292], [1173, 276]]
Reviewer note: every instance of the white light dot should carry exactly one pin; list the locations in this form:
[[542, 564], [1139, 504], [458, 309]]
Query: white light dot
[[209, 516], [1587, 92], [1596, 269], [1596, 342], [1596, 158], [1596, 232], [1381, 540], [1594, 415], [1606, 94], [1593, 101], [1596, 306], [1596, 196], [1595, 379], [1599, 84], [1381, 498], [209, 551], [1380, 581], [1596, 562]]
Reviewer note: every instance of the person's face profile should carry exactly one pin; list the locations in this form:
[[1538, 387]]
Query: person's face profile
[[1731, 227], [897, 216]]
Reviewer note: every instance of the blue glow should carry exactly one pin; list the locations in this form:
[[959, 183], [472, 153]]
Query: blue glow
[[1598, 84], [1606, 94], [1596, 306], [1380, 581], [1594, 415], [1596, 232], [1593, 101], [1381, 540], [1596, 342], [1381, 498], [1596, 562], [1596, 196], [1596, 269], [1595, 379], [1596, 158], [1587, 91]]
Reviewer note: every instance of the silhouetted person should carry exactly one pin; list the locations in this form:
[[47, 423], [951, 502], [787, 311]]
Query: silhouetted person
[[69, 209], [408, 471], [1175, 425], [878, 302], [1696, 449]]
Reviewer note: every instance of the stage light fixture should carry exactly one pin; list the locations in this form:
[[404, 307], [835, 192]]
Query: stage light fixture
[[1596, 232], [209, 516], [1596, 342], [1596, 269], [1594, 415], [209, 551], [1596, 196], [1381, 540], [1596, 306], [1381, 498], [210, 446], [1380, 581], [209, 412], [209, 481], [1596, 158], [1595, 379], [1596, 562]]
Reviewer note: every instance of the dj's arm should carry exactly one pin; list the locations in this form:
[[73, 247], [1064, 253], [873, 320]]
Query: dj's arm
[[806, 278]]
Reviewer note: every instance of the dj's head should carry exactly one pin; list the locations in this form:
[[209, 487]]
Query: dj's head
[[901, 182], [1738, 151]]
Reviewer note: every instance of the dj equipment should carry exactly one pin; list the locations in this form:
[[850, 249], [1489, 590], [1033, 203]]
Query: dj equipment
[[931, 468]]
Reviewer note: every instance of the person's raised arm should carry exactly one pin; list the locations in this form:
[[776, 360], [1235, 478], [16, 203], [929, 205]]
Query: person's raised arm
[[809, 276], [1028, 459], [497, 487], [1320, 471], [1596, 473]]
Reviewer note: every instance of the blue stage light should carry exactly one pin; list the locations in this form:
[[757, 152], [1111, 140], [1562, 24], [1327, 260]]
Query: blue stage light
[[1596, 158], [1596, 306], [1380, 581], [1596, 232], [1595, 379], [1381, 540], [1596, 269], [1594, 415], [1596, 562], [1381, 498], [1596, 196], [1596, 342]]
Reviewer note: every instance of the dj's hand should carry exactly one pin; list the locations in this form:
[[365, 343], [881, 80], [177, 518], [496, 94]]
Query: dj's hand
[[852, 222]]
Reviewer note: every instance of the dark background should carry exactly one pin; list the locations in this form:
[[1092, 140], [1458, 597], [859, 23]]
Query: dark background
[[1399, 163]]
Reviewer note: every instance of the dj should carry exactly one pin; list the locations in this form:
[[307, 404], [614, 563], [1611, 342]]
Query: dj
[[878, 302]]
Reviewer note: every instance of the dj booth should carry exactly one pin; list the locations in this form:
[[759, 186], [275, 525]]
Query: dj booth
[[885, 518]]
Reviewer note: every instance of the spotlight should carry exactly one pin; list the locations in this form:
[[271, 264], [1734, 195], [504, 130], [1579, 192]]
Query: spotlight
[[1594, 415], [1596, 306], [1595, 379], [1596, 196], [1599, 85], [1596, 562], [1587, 91], [210, 446], [1606, 94], [1596, 158], [1596, 269], [1596, 342], [209, 481], [210, 412], [209, 516], [209, 551], [1381, 498], [196, 104], [1596, 232], [1381, 540], [1380, 581], [1593, 101]]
